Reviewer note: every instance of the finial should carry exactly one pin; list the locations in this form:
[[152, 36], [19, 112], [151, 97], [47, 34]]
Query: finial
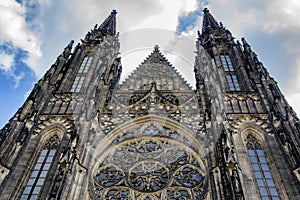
[[245, 43], [246, 46], [205, 10], [114, 12], [67, 51], [156, 48]]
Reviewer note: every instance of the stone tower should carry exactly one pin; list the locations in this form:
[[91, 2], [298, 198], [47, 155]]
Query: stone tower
[[83, 135]]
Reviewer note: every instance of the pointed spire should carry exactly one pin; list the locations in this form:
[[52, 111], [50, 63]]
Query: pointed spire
[[209, 22], [109, 24], [108, 27]]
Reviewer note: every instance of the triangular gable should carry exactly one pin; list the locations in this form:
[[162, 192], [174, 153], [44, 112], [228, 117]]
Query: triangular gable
[[155, 69]]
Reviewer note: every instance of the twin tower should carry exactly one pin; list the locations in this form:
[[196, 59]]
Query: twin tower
[[83, 135]]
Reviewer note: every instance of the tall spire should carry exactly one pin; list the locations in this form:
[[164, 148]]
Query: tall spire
[[109, 24], [108, 27], [209, 22]]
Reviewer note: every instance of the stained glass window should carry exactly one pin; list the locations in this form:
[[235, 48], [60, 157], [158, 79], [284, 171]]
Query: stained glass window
[[261, 169], [226, 62], [77, 84], [85, 65], [150, 167], [231, 77], [79, 79], [233, 82], [40, 170]]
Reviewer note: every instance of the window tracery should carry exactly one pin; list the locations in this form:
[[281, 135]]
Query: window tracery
[[40, 170], [79, 79], [233, 82], [231, 77], [226, 62], [149, 167], [77, 84], [261, 169], [85, 65]]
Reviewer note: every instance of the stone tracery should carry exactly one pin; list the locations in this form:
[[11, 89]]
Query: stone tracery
[[150, 167]]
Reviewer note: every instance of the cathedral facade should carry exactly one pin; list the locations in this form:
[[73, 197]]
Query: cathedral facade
[[82, 134]]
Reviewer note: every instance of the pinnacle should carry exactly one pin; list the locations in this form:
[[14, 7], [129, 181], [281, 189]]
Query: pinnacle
[[209, 22], [205, 10], [109, 24], [108, 27]]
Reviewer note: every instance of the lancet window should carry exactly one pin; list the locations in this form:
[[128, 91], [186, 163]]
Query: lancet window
[[231, 77], [261, 169], [233, 82], [77, 84], [85, 65], [226, 62], [40, 170], [79, 79]]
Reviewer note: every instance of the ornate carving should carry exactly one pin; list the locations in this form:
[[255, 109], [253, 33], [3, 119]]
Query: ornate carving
[[109, 175], [3, 172], [46, 121], [148, 176], [151, 164], [236, 121]]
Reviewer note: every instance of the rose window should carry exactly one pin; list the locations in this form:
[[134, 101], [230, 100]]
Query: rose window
[[149, 168], [148, 176]]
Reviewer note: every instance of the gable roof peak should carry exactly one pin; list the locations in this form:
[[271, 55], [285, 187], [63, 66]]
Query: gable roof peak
[[156, 57]]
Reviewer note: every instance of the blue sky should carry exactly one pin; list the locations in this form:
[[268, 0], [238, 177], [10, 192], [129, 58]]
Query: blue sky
[[34, 32]]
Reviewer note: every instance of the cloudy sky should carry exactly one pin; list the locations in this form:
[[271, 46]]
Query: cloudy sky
[[34, 32]]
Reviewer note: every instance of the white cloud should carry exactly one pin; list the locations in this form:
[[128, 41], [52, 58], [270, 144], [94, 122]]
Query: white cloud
[[7, 66], [45, 2], [6, 62], [13, 28], [167, 19]]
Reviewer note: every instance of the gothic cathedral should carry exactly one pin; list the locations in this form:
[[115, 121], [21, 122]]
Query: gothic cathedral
[[83, 134]]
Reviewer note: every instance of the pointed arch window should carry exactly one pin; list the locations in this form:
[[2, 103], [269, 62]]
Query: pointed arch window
[[233, 82], [79, 79], [77, 84], [40, 170], [261, 169], [226, 62], [231, 77], [85, 65]]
